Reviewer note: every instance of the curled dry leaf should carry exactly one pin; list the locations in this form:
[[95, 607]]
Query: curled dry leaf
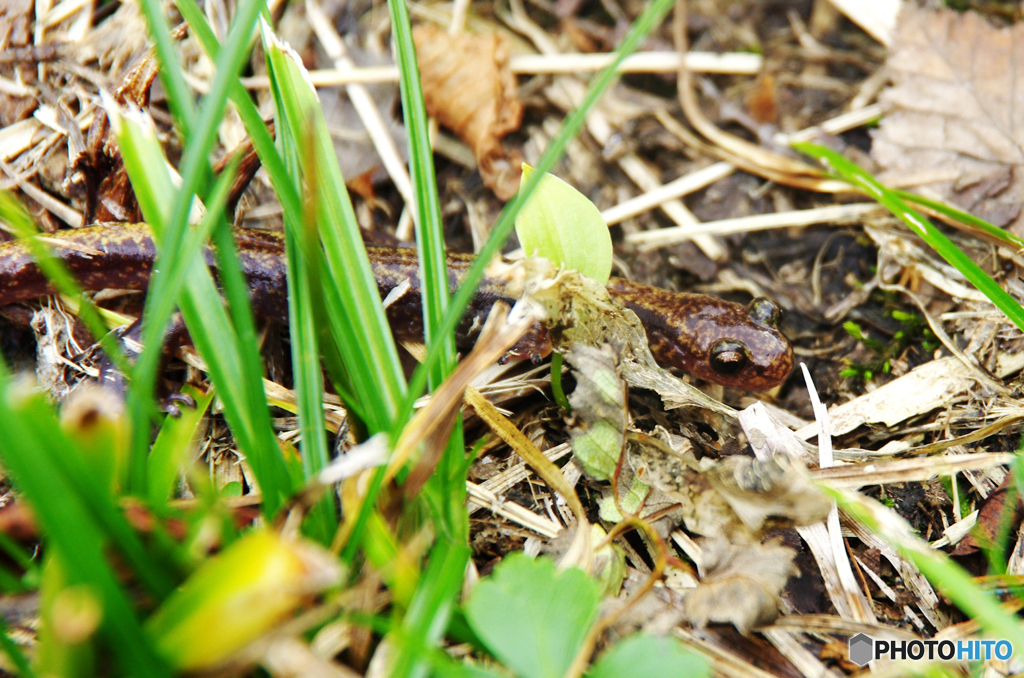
[[469, 88], [674, 473], [733, 497], [955, 124], [739, 584], [757, 490]]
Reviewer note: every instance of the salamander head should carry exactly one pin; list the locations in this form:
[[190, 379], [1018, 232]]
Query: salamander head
[[724, 343]]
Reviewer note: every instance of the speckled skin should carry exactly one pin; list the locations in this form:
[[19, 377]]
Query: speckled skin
[[687, 331], [683, 329]]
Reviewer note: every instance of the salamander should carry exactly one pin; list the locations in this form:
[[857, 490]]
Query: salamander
[[712, 339]]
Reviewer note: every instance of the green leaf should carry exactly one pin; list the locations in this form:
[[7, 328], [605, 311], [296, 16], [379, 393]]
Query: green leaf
[[598, 450], [600, 410], [644, 656], [531, 618], [560, 224], [355, 314], [631, 501], [173, 443]]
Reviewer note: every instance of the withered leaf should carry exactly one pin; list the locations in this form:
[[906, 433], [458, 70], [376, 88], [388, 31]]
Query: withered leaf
[[469, 88], [757, 490], [956, 126], [739, 584], [732, 497], [599, 409]]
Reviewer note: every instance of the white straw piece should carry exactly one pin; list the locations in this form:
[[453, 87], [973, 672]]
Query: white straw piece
[[837, 125], [684, 185], [536, 64], [643, 62], [758, 222]]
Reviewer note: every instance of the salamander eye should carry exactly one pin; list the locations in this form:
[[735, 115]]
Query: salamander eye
[[728, 356], [765, 311]]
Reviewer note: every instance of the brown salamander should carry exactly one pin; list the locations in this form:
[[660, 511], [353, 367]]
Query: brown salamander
[[714, 340]]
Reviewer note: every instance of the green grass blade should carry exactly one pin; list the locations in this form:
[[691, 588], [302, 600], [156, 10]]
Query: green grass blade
[[234, 363], [427, 617], [303, 253], [947, 576], [67, 464], [921, 226], [429, 232], [33, 447], [446, 488], [280, 178], [263, 142], [179, 95], [194, 171], [168, 453], [363, 335], [963, 217]]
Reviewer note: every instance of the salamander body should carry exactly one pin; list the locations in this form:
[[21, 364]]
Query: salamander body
[[712, 339]]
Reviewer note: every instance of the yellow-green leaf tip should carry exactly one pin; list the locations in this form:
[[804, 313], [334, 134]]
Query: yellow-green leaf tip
[[560, 224]]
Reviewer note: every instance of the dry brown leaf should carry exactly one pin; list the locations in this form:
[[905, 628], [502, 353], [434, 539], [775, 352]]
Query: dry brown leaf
[[733, 497], [469, 88], [956, 124], [758, 490], [739, 584]]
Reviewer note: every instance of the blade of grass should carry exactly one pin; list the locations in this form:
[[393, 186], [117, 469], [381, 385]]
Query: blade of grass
[[950, 578], [963, 217], [234, 364], [33, 449], [921, 226], [287, 193], [362, 333], [429, 232], [171, 228], [284, 186], [302, 248], [433, 601], [431, 608], [166, 457], [179, 96], [280, 177]]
